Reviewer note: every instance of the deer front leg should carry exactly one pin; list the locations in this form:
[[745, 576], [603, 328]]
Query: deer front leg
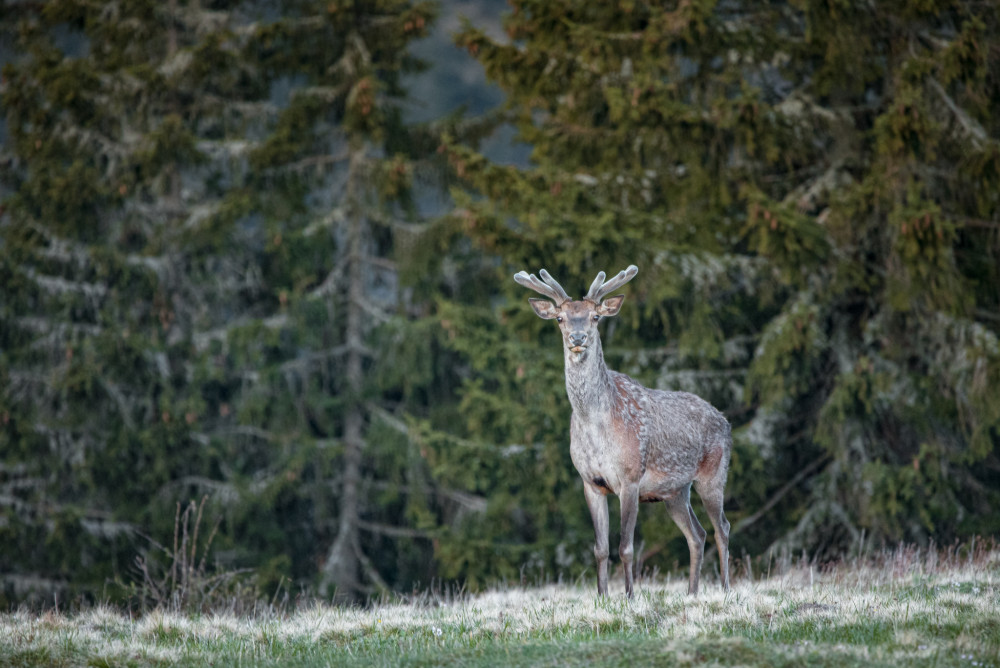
[[598, 505], [629, 499]]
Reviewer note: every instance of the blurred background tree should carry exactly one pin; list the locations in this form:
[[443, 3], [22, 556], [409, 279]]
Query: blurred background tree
[[123, 126], [810, 194], [232, 265], [349, 359], [198, 261]]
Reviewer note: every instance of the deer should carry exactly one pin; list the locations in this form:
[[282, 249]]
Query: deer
[[642, 445]]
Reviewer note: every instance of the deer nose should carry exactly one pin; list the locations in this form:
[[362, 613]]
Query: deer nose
[[577, 338]]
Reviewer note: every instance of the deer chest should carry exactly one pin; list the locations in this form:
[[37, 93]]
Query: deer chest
[[606, 451]]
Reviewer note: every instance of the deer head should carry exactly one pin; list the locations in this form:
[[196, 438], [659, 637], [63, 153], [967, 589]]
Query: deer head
[[577, 319]]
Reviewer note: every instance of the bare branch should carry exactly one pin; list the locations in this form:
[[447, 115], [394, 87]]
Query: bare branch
[[119, 398], [317, 161], [370, 569], [390, 419], [374, 311], [777, 496], [965, 221], [246, 430], [974, 130], [329, 283], [392, 531], [806, 195], [382, 262], [465, 500]]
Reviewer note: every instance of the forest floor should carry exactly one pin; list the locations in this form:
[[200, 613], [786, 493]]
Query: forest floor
[[904, 607]]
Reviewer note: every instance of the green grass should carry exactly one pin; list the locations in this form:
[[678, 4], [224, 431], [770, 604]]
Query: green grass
[[898, 609]]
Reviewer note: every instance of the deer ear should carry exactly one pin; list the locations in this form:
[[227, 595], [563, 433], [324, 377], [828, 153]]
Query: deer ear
[[611, 305], [544, 308]]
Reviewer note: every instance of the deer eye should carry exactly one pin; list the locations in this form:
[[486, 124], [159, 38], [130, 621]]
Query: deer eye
[[559, 318], [596, 317]]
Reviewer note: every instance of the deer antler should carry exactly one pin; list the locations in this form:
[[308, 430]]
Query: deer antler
[[599, 289], [550, 288]]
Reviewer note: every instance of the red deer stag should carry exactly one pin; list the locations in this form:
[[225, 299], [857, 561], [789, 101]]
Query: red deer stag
[[625, 439]]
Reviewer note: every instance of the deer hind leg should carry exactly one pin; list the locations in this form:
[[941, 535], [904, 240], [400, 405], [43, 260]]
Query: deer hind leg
[[712, 493], [598, 505], [629, 499], [679, 507]]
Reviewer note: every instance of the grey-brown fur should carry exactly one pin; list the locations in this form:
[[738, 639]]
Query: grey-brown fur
[[626, 439]]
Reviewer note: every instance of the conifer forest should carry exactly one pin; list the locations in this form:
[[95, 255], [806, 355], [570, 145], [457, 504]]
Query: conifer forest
[[256, 290]]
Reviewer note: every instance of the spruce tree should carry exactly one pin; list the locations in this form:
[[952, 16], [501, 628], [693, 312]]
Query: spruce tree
[[807, 193], [120, 119], [887, 347], [211, 204], [336, 173]]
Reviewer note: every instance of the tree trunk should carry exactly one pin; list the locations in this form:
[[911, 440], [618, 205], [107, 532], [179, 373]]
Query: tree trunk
[[342, 563]]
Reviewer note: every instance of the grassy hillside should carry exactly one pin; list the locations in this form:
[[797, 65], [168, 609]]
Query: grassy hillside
[[907, 607]]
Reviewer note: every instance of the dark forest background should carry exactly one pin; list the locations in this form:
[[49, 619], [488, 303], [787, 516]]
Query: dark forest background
[[260, 253]]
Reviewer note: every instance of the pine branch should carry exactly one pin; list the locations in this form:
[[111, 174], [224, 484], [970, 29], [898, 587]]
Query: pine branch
[[100, 528], [202, 340], [55, 285], [306, 361], [98, 523], [55, 330], [200, 213], [225, 492]]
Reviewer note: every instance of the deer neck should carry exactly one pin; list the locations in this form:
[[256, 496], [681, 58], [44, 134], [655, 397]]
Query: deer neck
[[588, 382]]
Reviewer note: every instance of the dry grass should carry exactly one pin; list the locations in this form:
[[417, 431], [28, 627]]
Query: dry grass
[[901, 607]]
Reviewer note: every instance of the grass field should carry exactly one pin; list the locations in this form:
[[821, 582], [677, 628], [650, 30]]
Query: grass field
[[906, 607]]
